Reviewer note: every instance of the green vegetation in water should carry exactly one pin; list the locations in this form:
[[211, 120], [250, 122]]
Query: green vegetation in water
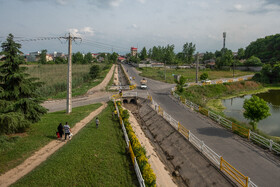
[[159, 74], [14, 149], [94, 157], [55, 78]]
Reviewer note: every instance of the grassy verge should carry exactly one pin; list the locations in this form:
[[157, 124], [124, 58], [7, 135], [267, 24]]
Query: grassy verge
[[15, 149], [111, 80], [94, 157], [158, 74], [55, 78]]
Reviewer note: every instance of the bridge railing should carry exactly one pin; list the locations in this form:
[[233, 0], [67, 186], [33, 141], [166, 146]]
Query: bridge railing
[[203, 148]]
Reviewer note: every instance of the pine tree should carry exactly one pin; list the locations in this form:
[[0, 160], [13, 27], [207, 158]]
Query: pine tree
[[19, 99]]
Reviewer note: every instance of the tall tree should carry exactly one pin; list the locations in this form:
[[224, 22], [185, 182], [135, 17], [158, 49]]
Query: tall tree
[[77, 58], [88, 58], [240, 53], [43, 57], [19, 99], [188, 52], [143, 54]]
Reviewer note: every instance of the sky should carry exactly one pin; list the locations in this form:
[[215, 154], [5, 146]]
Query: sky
[[117, 25]]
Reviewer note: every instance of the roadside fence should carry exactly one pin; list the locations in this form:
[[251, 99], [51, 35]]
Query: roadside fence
[[242, 131], [216, 159], [132, 156]]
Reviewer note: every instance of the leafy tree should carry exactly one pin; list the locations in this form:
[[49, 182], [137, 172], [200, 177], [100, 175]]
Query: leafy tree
[[169, 55], [256, 109], [94, 71], [226, 59], [253, 61], [19, 98], [188, 52], [60, 60], [77, 58], [204, 76], [88, 58], [266, 49], [42, 57], [114, 57], [143, 54], [208, 56], [240, 53], [181, 83]]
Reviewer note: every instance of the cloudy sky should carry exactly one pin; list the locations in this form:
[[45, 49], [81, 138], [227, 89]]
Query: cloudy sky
[[106, 25]]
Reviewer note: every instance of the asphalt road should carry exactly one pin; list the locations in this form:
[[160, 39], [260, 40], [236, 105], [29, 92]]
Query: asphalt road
[[261, 166]]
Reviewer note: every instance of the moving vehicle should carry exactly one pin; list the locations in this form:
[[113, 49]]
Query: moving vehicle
[[143, 83]]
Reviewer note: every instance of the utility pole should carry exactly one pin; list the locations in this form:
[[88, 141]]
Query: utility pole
[[69, 74], [197, 62]]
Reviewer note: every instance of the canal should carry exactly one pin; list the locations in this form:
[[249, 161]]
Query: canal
[[270, 125]]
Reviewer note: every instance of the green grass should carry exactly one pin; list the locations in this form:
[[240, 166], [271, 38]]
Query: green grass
[[55, 78], [111, 80], [203, 94], [94, 157], [158, 74], [15, 149]]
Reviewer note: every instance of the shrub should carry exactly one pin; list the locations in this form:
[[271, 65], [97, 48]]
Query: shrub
[[94, 71], [139, 152]]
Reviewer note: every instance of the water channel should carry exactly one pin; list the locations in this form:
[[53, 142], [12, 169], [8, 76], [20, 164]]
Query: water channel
[[270, 125]]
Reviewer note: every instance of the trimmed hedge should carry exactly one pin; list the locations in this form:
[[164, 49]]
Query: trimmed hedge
[[139, 151]]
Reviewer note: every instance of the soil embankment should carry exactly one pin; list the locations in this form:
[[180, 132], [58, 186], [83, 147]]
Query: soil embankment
[[187, 165]]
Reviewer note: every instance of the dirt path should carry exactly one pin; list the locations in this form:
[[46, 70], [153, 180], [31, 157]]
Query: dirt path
[[104, 83], [41, 155], [163, 176]]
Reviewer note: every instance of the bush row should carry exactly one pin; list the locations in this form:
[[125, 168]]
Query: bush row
[[139, 151]]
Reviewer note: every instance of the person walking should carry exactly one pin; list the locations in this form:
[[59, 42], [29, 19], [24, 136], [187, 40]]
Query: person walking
[[67, 130], [60, 130], [97, 122]]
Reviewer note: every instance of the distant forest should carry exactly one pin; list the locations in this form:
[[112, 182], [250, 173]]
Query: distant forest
[[266, 49]]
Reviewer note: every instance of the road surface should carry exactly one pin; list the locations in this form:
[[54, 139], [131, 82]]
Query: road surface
[[261, 166]]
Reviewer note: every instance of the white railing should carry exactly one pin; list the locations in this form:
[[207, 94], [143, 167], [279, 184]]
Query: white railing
[[200, 145], [129, 94], [136, 167], [268, 143]]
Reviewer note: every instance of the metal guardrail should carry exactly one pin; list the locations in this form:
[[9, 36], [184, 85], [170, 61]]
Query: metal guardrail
[[204, 149]]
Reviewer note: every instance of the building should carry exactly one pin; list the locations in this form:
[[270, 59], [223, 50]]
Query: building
[[133, 51], [33, 56]]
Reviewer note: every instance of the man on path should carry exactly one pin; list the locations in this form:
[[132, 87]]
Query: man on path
[[67, 130], [97, 122]]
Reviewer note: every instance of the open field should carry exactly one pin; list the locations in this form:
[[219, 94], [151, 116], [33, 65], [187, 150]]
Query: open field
[[158, 74], [94, 157], [55, 78], [14, 149]]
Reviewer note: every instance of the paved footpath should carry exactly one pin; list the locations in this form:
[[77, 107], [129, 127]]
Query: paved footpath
[[260, 165]]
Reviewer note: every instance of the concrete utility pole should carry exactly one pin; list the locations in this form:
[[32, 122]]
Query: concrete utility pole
[[197, 62], [69, 75], [224, 36]]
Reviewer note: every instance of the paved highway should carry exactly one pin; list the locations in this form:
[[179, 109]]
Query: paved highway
[[261, 166]]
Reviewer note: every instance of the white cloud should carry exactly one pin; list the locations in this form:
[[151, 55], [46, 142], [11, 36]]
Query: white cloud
[[238, 7], [115, 3], [134, 26], [142, 1], [86, 31]]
